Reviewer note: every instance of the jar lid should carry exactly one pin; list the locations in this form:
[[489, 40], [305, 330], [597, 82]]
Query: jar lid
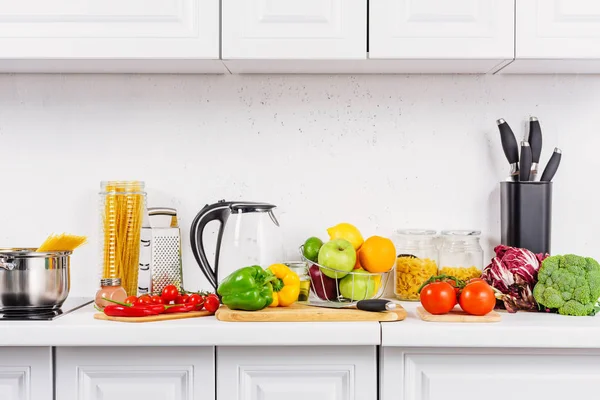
[[461, 233], [416, 232], [110, 282]]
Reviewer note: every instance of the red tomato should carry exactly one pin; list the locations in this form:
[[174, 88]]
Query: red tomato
[[477, 298], [130, 300], [169, 293], [182, 299], [144, 299], [157, 300], [438, 297], [211, 303], [196, 300]]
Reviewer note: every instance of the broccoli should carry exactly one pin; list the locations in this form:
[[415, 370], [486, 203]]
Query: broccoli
[[569, 284]]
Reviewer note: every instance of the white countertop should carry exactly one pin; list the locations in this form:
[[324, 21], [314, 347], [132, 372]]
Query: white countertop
[[79, 328], [525, 330], [522, 329]]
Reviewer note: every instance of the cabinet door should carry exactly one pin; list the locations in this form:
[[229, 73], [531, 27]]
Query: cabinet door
[[103, 30], [26, 373], [442, 30], [297, 373], [493, 374], [149, 373], [292, 29]]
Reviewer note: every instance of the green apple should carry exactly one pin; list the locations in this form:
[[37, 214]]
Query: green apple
[[358, 286], [312, 247], [338, 254]]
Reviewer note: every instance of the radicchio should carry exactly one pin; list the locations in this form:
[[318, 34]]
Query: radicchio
[[513, 272]]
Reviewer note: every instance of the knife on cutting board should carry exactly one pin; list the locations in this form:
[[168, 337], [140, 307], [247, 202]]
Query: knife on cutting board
[[552, 166], [510, 147], [535, 142], [377, 305], [525, 167]]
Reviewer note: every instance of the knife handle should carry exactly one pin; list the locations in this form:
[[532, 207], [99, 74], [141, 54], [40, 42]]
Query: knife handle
[[375, 305], [509, 142], [535, 139], [525, 168], [552, 166]]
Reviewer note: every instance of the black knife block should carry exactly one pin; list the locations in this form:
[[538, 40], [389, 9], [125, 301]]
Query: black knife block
[[526, 215]]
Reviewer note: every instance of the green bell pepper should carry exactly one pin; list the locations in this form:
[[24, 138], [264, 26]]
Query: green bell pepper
[[248, 288]]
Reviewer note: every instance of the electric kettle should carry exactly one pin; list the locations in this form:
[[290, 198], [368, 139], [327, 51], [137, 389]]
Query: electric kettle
[[249, 234]]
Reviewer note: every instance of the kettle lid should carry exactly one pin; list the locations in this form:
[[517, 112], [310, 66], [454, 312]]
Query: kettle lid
[[249, 206]]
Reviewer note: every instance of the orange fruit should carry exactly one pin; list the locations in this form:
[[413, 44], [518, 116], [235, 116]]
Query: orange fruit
[[377, 254], [357, 265]]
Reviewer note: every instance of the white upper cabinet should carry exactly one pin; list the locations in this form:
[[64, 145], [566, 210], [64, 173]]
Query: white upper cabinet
[[109, 35], [555, 36], [293, 30], [470, 35]]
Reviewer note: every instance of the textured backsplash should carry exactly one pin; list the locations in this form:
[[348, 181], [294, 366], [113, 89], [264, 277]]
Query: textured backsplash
[[382, 152]]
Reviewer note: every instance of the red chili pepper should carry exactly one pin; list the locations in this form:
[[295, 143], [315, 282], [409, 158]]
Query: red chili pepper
[[148, 309], [180, 308], [116, 310]]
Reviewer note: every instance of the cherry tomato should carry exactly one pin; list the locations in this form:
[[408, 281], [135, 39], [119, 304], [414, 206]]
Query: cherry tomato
[[144, 299], [211, 303], [438, 297], [182, 299], [169, 293], [196, 300], [130, 300], [157, 300], [477, 298]]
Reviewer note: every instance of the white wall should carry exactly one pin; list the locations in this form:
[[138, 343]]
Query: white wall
[[382, 152]]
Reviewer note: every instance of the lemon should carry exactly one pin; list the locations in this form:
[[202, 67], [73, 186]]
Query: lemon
[[346, 231]]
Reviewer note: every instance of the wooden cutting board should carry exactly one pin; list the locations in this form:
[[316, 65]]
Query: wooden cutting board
[[154, 318], [457, 315], [303, 313]]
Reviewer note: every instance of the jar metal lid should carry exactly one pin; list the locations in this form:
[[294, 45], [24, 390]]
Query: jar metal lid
[[110, 282]]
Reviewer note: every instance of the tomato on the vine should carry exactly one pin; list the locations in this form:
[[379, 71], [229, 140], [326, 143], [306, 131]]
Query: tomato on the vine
[[438, 297], [143, 300], [196, 300], [130, 300], [169, 293], [182, 299], [211, 303], [477, 298], [157, 300]]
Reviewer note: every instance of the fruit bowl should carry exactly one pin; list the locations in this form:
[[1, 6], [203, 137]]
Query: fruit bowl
[[331, 285]]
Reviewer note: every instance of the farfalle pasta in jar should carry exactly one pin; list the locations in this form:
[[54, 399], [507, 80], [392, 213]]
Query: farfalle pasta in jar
[[416, 261]]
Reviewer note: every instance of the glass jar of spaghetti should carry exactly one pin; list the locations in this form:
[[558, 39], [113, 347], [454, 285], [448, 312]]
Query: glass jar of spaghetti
[[416, 262], [461, 254], [122, 210]]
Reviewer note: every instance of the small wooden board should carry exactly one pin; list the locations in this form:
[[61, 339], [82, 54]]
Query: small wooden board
[[303, 313], [154, 318], [457, 315]]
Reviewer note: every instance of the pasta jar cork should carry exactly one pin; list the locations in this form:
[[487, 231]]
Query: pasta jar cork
[[461, 254], [416, 262]]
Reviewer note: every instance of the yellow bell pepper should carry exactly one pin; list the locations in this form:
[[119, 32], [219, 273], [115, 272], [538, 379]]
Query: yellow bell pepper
[[286, 287]]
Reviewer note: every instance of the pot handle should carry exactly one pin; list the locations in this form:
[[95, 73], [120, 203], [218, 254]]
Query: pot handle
[[7, 265]]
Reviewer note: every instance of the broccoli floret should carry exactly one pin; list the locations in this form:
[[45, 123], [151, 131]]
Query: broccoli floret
[[569, 283]]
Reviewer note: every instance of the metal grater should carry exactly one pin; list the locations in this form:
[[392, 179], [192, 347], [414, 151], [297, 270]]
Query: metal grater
[[160, 253]]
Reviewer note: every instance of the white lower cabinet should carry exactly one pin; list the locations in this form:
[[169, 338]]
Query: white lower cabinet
[[297, 373], [491, 374], [149, 373], [26, 373]]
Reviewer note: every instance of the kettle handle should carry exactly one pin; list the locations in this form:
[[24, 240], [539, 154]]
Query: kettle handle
[[219, 212]]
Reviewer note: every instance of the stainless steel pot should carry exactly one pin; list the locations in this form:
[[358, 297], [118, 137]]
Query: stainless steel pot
[[33, 281]]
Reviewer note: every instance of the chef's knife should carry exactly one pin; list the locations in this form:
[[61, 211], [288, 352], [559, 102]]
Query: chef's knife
[[525, 167], [377, 305], [510, 147], [552, 166], [535, 141]]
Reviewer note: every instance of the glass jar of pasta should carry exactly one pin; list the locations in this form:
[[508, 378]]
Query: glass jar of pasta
[[416, 261], [461, 254]]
